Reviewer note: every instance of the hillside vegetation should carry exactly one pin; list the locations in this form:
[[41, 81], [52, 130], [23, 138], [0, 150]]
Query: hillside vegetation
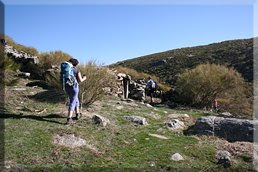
[[169, 64], [37, 139]]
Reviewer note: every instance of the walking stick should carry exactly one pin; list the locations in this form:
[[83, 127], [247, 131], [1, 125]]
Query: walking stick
[[82, 100]]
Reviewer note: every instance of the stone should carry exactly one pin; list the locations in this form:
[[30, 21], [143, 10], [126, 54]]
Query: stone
[[119, 107], [68, 140], [137, 120], [158, 136], [177, 157], [175, 124], [20, 57], [231, 129], [137, 94], [24, 75], [225, 114], [148, 105], [100, 120], [223, 158]]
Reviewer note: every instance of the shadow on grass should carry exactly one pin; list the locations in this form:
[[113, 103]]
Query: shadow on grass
[[47, 118], [50, 96]]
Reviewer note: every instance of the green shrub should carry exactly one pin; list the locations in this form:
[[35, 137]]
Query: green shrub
[[200, 86], [8, 68], [98, 78], [92, 89], [53, 58], [8, 64]]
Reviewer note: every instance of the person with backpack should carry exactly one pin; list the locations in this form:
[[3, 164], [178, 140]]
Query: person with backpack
[[70, 77], [151, 87]]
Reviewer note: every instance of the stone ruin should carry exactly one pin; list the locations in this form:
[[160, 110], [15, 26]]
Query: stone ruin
[[126, 87], [20, 56]]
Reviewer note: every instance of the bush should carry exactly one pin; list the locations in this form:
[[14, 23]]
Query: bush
[[55, 58], [8, 69], [98, 78], [93, 88], [200, 86]]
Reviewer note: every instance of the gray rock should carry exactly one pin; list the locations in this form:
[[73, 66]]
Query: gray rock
[[223, 158], [100, 120], [20, 57], [175, 124], [148, 105], [69, 140], [177, 157], [24, 74], [137, 120], [232, 129], [225, 114]]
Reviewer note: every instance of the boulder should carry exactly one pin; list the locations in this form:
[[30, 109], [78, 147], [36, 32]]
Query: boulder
[[223, 158], [137, 120], [137, 94], [100, 120], [177, 157], [175, 124], [231, 129]]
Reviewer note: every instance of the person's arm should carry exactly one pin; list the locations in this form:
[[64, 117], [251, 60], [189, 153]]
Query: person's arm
[[80, 77]]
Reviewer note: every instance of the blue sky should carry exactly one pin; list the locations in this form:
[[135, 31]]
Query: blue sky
[[111, 33]]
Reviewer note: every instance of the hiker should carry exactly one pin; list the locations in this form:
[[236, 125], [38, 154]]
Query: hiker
[[70, 78], [215, 105], [3, 41], [126, 82], [151, 88]]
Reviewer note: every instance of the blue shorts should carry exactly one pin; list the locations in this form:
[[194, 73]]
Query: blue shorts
[[73, 93]]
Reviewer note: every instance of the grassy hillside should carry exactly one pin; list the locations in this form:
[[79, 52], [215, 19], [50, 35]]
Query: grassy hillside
[[32, 121], [169, 64]]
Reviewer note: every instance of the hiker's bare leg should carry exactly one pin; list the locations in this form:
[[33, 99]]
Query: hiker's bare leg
[[77, 109], [70, 113]]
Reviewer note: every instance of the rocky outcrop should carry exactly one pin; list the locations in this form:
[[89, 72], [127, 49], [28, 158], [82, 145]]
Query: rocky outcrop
[[134, 90], [231, 129], [20, 56]]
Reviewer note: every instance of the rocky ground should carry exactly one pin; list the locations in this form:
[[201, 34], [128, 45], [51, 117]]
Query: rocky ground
[[112, 135]]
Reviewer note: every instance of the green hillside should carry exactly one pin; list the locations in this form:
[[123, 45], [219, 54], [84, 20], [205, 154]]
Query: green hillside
[[169, 64]]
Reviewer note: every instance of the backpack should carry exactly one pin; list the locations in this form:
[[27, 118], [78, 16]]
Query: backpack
[[151, 84], [67, 75]]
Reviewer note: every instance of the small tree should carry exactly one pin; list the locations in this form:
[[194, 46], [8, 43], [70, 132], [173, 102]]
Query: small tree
[[98, 78], [200, 86]]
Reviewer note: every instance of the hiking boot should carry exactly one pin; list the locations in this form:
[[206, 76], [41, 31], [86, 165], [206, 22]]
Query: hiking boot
[[78, 116], [69, 121]]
